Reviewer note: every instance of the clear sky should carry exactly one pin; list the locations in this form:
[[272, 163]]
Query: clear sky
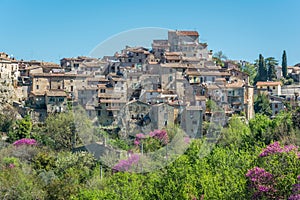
[[50, 30]]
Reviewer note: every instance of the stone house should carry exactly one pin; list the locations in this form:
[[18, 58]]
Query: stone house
[[56, 101], [161, 115], [271, 87], [191, 121]]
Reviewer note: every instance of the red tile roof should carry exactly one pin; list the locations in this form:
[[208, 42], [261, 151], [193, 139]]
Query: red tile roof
[[268, 83], [188, 33]]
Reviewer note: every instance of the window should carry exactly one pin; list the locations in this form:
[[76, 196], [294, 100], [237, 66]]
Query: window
[[102, 90], [61, 99], [170, 78], [37, 87], [194, 122], [99, 112], [106, 104], [137, 54], [273, 87], [51, 99], [276, 105], [72, 88], [140, 60], [129, 60]]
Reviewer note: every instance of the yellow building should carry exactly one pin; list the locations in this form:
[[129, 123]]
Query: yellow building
[[271, 87]]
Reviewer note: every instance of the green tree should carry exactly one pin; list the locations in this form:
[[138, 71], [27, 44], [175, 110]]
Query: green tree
[[20, 183], [61, 130], [262, 105], [284, 64], [219, 57], [262, 74], [236, 131], [251, 70], [261, 129], [271, 63], [20, 129]]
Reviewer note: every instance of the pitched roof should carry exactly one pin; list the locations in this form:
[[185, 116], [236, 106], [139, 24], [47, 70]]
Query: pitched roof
[[268, 83], [56, 93], [187, 33]]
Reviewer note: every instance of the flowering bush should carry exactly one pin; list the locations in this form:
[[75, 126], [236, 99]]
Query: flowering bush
[[153, 141], [296, 191], [262, 182], [276, 148], [138, 138], [126, 165], [25, 141], [160, 135], [276, 173]]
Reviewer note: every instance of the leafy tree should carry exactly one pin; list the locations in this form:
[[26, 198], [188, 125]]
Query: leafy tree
[[234, 134], [60, 128], [282, 125], [262, 105], [261, 129], [5, 123], [296, 118], [17, 183], [271, 63], [251, 70], [219, 57], [284, 64], [276, 173], [20, 129]]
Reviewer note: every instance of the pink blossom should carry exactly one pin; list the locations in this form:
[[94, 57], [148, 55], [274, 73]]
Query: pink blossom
[[140, 136], [126, 165], [160, 135], [136, 142], [271, 149], [259, 175], [187, 140], [294, 197], [290, 147], [11, 165], [25, 141]]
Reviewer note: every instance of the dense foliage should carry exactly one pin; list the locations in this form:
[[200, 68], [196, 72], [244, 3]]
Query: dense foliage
[[258, 159]]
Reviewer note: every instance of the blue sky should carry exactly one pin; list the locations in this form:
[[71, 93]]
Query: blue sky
[[50, 30]]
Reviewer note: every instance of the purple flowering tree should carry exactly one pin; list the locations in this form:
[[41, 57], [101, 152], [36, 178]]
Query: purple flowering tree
[[152, 141], [25, 141], [127, 164], [296, 190], [276, 173]]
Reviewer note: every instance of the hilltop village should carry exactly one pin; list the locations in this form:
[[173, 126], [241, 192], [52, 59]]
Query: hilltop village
[[177, 81]]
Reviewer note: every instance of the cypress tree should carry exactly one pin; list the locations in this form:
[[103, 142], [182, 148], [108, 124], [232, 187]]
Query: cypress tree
[[262, 70], [284, 64]]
